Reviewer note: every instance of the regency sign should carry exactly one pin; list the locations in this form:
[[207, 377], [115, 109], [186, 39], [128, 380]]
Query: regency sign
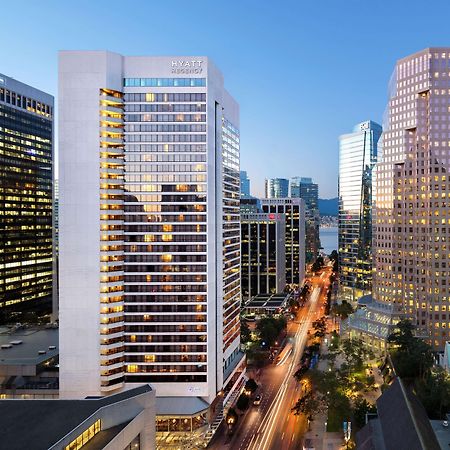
[[193, 66]]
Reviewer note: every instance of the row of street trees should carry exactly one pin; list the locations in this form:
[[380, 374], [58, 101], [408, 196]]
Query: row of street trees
[[337, 390]]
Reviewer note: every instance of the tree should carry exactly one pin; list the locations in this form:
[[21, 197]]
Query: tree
[[320, 327], [355, 352], [300, 372], [412, 357], [434, 393], [242, 402], [335, 258], [270, 327], [318, 264], [361, 407], [342, 310], [251, 385], [245, 331], [231, 418], [308, 404]]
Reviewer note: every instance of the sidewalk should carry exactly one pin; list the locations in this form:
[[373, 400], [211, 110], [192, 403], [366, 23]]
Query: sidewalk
[[323, 440]]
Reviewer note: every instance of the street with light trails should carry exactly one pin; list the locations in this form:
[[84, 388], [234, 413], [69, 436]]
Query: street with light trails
[[271, 425]]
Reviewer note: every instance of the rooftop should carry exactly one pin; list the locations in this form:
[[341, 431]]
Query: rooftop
[[184, 406], [268, 301], [48, 421], [26, 343], [412, 431]]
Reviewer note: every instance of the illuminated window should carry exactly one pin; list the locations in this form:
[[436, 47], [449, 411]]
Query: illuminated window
[[85, 437]]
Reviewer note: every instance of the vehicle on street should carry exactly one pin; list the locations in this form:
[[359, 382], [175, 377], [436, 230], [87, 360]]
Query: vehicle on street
[[257, 400]]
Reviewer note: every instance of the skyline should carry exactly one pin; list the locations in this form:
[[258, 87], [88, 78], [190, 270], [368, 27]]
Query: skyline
[[282, 44]]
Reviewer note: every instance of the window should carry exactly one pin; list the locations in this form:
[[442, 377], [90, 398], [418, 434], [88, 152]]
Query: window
[[164, 82], [85, 437]]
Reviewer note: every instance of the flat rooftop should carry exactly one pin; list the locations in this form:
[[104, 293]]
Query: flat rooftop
[[26, 343], [268, 301]]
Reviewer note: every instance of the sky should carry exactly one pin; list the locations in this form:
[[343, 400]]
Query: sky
[[303, 72]]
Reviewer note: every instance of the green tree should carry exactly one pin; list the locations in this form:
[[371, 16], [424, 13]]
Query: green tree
[[342, 310], [245, 331], [412, 357], [308, 404], [434, 393], [320, 327], [270, 327], [361, 407], [355, 352]]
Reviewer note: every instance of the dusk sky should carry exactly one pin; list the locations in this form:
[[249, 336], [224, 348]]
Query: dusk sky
[[302, 72]]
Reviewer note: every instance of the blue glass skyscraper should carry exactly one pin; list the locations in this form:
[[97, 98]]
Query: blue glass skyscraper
[[357, 157]]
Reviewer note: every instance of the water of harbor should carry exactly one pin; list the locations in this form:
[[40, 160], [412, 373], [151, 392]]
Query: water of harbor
[[329, 239]]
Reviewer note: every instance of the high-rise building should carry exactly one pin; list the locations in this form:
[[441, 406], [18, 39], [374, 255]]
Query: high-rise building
[[301, 187], [249, 205], [276, 188], [263, 261], [411, 212], [357, 157], [149, 230], [245, 184], [294, 211], [26, 183]]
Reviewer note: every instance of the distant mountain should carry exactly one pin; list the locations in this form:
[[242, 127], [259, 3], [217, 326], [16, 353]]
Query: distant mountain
[[328, 206]]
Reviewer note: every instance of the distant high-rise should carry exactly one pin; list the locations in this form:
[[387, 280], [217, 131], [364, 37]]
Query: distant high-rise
[[304, 188], [412, 198], [357, 157], [149, 232], [26, 183], [245, 184], [263, 261], [294, 211], [276, 188]]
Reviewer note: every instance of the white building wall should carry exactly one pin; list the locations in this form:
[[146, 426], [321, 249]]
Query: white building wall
[[82, 75]]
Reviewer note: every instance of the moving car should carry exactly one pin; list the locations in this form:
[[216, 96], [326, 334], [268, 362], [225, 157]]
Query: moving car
[[257, 400]]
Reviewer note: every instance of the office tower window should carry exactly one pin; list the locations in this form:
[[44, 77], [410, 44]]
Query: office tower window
[[26, 184]]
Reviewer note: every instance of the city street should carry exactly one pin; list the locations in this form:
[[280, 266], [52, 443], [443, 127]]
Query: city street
[[271, 425]]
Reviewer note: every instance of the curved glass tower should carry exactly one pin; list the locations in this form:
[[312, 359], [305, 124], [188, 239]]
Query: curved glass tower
[[357, 157]]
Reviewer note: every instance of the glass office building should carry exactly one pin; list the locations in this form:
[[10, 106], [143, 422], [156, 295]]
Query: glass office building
[[276, 188], [263, 262], [26, 174], [245, 184], [304, 188], [293, 210], [357, 157]]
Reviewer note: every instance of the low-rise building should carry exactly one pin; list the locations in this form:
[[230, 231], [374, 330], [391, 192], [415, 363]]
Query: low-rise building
[[29, 359], [124, 421], [266, 304], [372, 322]]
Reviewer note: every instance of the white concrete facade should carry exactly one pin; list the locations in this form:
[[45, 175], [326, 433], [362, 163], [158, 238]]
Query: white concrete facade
[[156, 156]]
